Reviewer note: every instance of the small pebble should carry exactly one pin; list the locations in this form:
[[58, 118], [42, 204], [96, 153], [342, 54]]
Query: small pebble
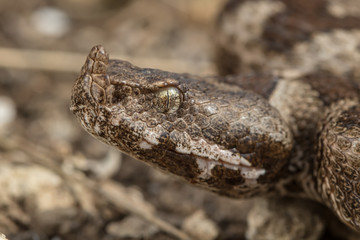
[[283, 219], [7, 111], [50, 21], [2, 237], [131, 227], [200, 226]]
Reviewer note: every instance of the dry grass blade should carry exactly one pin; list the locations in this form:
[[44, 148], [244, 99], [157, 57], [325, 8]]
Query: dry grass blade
[[40, 60], [121, 199], [60, 61]]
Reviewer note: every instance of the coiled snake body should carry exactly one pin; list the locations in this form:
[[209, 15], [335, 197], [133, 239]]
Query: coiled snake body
[[240, 136]]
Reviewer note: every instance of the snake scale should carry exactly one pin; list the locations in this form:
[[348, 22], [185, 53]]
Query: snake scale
[[290, 127]]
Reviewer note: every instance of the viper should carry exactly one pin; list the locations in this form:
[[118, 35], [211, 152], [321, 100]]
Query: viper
[[285, 128]]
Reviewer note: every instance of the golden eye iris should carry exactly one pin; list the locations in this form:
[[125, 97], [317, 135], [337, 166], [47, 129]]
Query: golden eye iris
[[167, 100]]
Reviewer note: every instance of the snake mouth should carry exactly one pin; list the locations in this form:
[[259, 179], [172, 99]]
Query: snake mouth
[[227, 159], [207, 156], [206, 161], [250, 174]]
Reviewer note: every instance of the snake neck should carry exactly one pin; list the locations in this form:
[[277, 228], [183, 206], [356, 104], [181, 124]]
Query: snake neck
[[297, 179], [326, 160], [338, 170]]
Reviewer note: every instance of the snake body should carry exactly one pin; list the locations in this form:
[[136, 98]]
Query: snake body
[[240, 136]]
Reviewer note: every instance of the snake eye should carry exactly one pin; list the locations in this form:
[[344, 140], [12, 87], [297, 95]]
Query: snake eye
[[167, 100]]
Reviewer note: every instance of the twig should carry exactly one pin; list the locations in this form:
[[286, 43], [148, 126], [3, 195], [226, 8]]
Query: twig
[[117, 196], [40, 60], [71, 62]]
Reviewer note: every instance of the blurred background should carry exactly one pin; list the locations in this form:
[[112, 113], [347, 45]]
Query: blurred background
[[56, 181]]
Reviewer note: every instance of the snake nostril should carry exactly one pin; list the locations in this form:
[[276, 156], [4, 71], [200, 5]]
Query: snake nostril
[[98, 93]]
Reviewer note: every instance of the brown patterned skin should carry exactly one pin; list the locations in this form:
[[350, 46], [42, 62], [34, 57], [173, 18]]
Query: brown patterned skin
[[338, 172], [306, 35], [288, 136], [220, 136]]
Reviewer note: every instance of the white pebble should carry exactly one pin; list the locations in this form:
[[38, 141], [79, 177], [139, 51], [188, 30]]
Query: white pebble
[[200, 226], [7, 111], [50, 21]]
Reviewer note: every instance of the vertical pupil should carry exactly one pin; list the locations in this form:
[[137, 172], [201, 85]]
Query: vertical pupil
[[167, 100]]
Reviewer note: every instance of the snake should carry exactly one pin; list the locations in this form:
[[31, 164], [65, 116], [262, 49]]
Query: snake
[[279, 126]]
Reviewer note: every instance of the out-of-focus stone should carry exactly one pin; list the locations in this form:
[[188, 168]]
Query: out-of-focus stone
[[51, 21], [200, 226], [2, 237], [283, 219], [46, 202], [131, 227], [7, 111]]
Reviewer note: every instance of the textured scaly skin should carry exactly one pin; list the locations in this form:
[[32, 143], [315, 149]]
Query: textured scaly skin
[[298, 137], [306, 36]]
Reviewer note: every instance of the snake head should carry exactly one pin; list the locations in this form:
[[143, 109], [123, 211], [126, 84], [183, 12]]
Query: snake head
[[88, 92], [212, 134]]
